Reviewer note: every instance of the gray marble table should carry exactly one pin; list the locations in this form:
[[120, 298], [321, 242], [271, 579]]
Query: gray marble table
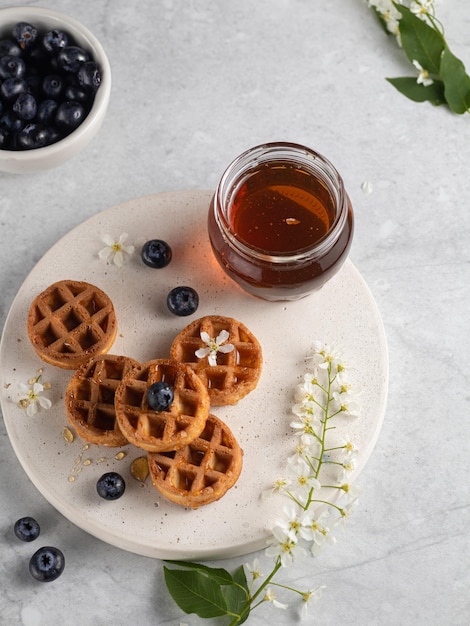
[[195, 84]]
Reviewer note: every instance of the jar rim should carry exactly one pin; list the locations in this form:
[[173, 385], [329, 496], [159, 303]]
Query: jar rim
[[300, 155]]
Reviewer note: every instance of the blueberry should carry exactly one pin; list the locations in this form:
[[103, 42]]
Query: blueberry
[[11, 88], [156, 253], [70, 114], [8, 46], [27, 529], [10, 122], [182, 301], [89, 76], [47, 564], [159, 396], [77, 93], [46, 111], [71, 58], [111, 486], [54, 40], [12, 66], [33, 136], [25, 106], [52, 86], [25, 35], [4, 138]]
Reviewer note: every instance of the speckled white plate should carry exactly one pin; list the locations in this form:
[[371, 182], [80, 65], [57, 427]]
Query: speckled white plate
[[343, 313]]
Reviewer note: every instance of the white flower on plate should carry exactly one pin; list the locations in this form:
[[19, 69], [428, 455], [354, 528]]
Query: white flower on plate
[[213, 346], [115, 251], [278, 486], [30, 395]]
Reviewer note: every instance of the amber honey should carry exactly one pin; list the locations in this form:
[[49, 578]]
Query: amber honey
[[281, 209], [280, 222]]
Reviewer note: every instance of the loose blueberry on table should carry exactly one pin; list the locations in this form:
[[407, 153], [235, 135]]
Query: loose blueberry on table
[[160, 396], [110, 486], [156, 253], [27, 529], [47, 564], [182, 301], [47, 86]]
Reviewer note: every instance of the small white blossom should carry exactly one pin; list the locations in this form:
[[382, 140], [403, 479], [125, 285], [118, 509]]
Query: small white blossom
[[308, 598], [422, 8], [115, 251], [283, 547], [214, 346], [254, 569], [270, 596], [30, 395], [279, 486], [423, 76]]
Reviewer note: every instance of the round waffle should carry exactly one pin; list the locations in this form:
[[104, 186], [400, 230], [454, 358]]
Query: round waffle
[[172, 428], [236, 372], [201, 472], [89, 399], [70, 322]]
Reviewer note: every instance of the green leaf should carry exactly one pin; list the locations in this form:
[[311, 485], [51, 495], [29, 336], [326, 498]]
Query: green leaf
[[408, 86], [194, 592], [420, 41], [218, 575], [237, 596], [456, 82]]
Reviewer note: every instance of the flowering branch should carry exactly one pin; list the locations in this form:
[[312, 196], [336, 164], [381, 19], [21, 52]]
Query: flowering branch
[[442, 78], [323, 397]]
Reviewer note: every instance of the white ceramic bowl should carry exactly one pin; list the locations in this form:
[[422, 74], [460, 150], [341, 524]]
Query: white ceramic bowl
[[23, 161]]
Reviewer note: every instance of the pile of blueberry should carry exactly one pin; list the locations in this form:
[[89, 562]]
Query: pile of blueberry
[[181, 300], [47, 86], [48, 562]]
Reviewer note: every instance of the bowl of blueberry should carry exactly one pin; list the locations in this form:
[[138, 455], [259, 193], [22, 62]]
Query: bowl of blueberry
[[55, 84]]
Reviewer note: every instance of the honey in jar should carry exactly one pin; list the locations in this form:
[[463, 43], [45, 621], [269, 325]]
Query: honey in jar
[[280, 222]]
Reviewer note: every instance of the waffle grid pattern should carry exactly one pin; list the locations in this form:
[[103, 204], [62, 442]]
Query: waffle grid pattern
[[89, 399], [71, 320], [202, 471], [236, 372], [162, 430]]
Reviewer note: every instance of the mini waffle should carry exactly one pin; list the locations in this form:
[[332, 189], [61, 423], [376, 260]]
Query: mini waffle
[[89, 399], [236, 373], [173, 428], [201, 472], [70, 322]]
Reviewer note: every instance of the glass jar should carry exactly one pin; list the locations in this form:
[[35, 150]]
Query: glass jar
[[280, 222]]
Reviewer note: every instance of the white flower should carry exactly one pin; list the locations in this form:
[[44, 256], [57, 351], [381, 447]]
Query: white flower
[[422, 8], [254, 570], [292, 522], [270, 596], [115, 251], [423, 76], [310, 597], [303, 481], [283, 547], [280, 485], [314, 528], [30, 396], [214, 346]]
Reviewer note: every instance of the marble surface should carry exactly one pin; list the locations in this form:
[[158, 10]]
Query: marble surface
[[195, 84]]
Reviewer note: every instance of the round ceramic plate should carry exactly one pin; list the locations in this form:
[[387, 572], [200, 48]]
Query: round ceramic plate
[[342, 314]]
